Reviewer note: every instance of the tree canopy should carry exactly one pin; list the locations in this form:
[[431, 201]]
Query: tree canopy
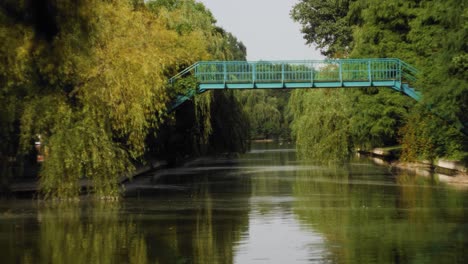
[[431, 35]]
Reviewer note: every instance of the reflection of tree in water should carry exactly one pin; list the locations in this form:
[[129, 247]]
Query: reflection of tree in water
[[203, 228], [96, 234], [213, 236], [268, 169], [88, 234], [201, 225], [413, 221]]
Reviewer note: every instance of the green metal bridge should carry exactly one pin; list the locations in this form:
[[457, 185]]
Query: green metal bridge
[[340, 73]]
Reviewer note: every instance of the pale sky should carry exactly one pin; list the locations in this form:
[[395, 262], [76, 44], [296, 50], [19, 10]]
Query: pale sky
[[265, 27]]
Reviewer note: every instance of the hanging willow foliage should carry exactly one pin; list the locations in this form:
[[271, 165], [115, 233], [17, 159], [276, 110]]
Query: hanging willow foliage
[[203, 115], [91, 80], [321, 135]]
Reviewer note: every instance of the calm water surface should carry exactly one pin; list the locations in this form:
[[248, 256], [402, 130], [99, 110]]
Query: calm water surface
[[264, 207]]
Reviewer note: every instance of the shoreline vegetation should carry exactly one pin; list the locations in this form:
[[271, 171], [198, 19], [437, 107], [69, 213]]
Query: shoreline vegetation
[[330, 124], [454, 173]]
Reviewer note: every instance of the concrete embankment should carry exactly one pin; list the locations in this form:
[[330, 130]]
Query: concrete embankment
[[452, 172], [31, 185]]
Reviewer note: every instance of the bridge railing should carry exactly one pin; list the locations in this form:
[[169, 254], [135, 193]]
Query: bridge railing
[[333, 73], [345, 70], [392, 73]]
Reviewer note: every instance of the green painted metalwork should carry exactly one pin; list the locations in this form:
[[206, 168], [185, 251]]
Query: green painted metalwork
[[211, 75]]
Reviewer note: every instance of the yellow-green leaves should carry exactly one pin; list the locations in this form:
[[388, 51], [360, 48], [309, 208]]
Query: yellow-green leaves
[[91, 80], [77, 146], [92, 87]]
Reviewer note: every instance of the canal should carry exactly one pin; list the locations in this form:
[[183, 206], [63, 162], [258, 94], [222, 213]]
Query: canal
[[262, 207]]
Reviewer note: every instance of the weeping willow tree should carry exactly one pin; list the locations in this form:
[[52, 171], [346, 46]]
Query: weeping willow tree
[[321, 135], [266, 110], [88, 79], [212, 122]]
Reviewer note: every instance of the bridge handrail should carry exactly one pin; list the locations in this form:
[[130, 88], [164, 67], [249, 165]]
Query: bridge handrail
[[408, 71], [298, 61], [221, 71], [336, 72], [182, 73], [329, 73]]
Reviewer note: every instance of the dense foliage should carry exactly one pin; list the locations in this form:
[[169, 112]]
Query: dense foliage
[[89, 80], [212, 121], [325, 24], [430, 34], [326, 134], [267, 113]]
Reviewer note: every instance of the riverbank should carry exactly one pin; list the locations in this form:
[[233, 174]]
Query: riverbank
[[451, 172], [31, 185], [139, 181]]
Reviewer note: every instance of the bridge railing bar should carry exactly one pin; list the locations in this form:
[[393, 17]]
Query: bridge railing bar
[[340, 65], [400, 75], [312, 75], [224, 73], [408, 71], [254, 72], [184, 72], [282, 74]]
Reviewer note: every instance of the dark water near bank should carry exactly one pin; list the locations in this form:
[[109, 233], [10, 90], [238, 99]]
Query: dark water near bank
[[265, 207]]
